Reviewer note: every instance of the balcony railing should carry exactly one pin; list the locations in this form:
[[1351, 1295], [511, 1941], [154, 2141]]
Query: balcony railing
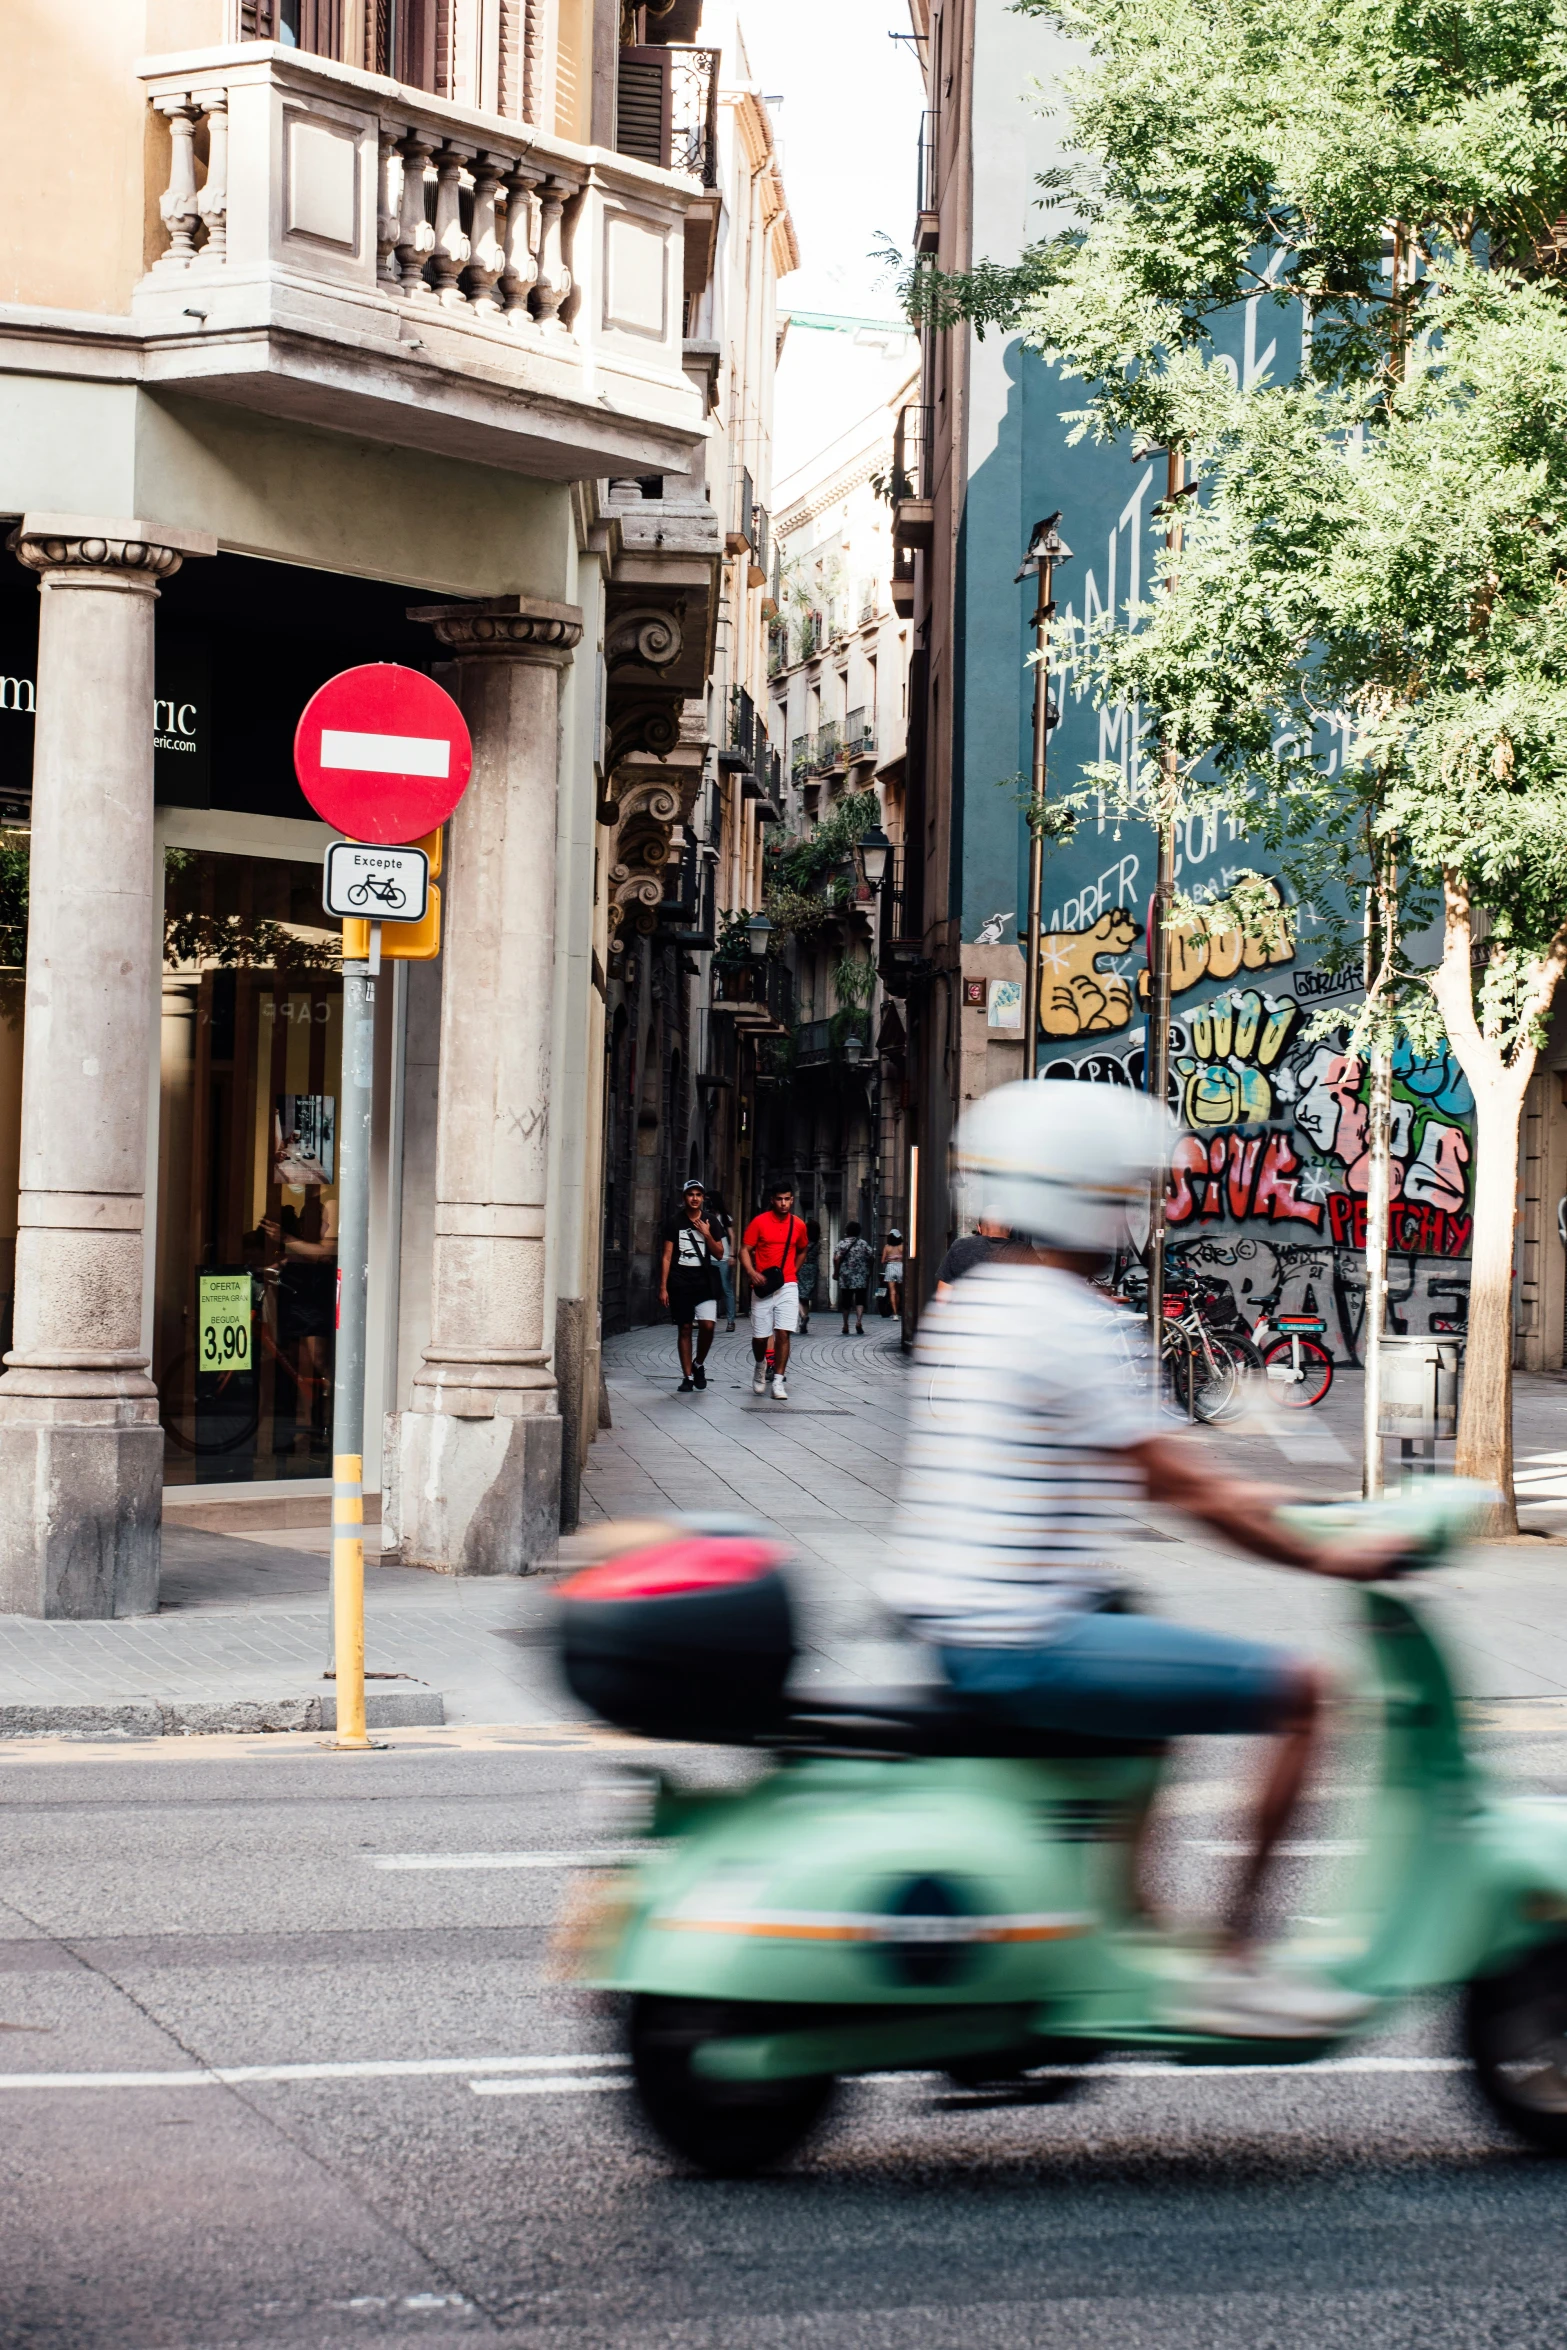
[[760, 990], [801, 753], [900, 941], [666, 110], [686, 917], [811, 629], [745, 727], [910, 451], [859, 735], [819, 1041], [929, 152], [348, 252], [829, 745]]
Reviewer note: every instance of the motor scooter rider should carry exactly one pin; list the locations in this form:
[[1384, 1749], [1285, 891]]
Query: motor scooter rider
[[1008, 1510]]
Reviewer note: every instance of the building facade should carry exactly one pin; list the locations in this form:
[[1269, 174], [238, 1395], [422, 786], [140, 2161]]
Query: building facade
[[351, 335], [1267, 1189], [833, 1090], [686, 859]]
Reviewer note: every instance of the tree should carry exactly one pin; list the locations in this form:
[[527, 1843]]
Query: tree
[[1383, 540]]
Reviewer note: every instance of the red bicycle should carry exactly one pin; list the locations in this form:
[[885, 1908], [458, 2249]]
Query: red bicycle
[[1298, 1367]]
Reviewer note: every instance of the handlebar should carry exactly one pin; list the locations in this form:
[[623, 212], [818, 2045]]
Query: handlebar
[[1436, 1522]]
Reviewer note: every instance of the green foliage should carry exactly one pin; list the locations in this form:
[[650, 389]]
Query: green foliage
[[854, 982], [802, 884], [228, 942], [14, 868]]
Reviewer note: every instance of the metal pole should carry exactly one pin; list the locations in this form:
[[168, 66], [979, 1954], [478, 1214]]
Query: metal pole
[[348, 1375], [1161, 943], [1036, 808]]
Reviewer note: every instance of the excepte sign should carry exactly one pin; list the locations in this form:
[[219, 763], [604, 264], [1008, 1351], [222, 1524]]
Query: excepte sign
[[376, 885], [223, 1323], [383, 754]]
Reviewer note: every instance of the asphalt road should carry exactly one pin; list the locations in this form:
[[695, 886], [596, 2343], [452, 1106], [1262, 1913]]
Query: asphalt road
[[226, 1906]]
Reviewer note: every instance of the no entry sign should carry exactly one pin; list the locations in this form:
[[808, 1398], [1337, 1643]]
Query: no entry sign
[[382, 753]]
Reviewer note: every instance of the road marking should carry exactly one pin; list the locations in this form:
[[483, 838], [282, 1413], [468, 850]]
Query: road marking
[[390, 2068], [585, 2074], [1292, 1851], [385, 754], [566, 2085], [602, 1858]]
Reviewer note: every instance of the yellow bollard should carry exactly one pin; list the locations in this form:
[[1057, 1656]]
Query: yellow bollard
[[348, 1597]]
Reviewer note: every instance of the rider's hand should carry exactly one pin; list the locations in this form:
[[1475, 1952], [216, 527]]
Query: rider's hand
[[1364, 1561]]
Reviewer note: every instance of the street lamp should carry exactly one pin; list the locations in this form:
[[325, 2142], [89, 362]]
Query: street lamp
[[757, 933], [872, 852], [1046, 548], [853, 1048]]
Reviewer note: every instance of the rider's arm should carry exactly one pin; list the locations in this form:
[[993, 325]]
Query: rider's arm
[[1179, 1476]]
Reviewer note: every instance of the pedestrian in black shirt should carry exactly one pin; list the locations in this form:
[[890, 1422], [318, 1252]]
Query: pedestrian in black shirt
[[688, 1283]]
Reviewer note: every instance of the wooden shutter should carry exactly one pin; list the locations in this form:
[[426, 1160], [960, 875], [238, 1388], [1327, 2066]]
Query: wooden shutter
[[642, 105]]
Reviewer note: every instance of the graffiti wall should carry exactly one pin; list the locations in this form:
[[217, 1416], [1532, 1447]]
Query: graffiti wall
[[1267, 1184]]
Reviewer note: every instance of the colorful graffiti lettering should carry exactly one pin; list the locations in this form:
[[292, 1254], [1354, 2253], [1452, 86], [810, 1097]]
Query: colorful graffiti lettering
[[1197, 954], [1412, 1231], [1236, 1042], [1076, 998], [1239, 1177]]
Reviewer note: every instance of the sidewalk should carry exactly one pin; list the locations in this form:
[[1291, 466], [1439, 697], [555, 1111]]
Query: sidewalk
[[239, 1641]]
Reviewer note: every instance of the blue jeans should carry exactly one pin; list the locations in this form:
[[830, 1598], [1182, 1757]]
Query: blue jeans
[[726, 1278], [1127, 1676]]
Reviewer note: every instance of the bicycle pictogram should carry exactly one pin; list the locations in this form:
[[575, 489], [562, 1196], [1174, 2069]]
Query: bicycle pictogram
[[378, 890]]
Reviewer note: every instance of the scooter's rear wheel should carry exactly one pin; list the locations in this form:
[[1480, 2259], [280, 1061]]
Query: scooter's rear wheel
[[726, 2127], [1516, 2027]]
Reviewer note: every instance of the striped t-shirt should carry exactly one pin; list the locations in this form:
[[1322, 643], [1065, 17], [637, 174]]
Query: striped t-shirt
[[1015, 1480]]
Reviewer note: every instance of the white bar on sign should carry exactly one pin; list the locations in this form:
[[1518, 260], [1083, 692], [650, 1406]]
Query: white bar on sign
[[388, 754]]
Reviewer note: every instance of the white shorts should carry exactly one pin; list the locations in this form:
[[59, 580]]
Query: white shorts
[[781, 1311], [892, 1270], [707, 1311]]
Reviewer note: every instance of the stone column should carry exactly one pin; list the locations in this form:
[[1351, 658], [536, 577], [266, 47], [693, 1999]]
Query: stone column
[[81, 1451], [478, 1455]]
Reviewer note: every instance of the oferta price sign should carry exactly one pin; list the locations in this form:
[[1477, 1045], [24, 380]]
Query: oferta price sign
[[223, 1332]]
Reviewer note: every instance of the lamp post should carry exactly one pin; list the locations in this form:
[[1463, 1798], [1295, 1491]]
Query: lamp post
[[757, 933], [1046, 548], [871, 853], [1160, 935]]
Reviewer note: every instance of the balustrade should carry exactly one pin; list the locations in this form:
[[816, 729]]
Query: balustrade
[[479, 229]]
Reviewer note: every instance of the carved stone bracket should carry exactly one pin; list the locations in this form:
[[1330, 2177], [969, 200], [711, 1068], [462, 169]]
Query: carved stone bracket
[[140, 553], [646, 637], [508, 628]]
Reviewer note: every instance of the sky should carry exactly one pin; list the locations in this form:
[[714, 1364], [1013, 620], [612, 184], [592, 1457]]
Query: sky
[[848, 126]]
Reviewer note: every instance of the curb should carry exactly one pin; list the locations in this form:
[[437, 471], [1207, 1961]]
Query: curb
[[385, 1709]]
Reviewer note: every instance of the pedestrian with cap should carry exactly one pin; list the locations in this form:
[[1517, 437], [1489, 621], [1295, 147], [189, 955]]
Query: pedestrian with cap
[[688, 1284]]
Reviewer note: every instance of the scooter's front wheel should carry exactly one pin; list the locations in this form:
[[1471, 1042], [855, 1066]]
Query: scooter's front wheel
[[726, 2127], [1516, 2027]]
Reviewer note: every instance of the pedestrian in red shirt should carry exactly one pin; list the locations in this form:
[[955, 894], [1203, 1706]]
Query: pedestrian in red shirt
[[770, 1253]]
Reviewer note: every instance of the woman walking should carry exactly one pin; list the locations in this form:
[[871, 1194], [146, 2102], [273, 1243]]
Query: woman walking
[[892, 1271], [851, 1265]]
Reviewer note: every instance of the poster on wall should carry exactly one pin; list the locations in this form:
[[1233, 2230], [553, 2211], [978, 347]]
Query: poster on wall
[[304, 1141]]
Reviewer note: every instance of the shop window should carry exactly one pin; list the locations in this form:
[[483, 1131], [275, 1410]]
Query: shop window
[[243, 1342]]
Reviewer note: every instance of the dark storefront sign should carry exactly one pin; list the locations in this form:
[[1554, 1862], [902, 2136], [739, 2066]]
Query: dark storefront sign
[[181, 720]]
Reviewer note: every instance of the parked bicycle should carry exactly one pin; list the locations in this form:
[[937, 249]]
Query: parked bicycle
[[1298, 1367]]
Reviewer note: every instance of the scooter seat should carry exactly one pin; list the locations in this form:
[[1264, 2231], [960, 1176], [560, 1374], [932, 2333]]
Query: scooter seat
[[933, 1722]]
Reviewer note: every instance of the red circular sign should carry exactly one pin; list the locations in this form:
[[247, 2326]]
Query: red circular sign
[[383, 753]]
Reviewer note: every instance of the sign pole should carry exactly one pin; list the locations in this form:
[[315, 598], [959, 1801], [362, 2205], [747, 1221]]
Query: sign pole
[[348, 1384], [383, 755]]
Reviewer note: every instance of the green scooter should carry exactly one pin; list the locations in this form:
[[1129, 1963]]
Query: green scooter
[[909, 1885]]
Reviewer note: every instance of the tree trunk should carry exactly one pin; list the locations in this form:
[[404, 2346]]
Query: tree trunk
[[1485, 1423]]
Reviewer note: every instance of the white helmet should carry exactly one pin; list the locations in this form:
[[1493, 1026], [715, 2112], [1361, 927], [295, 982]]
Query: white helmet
[[1061, 1163]]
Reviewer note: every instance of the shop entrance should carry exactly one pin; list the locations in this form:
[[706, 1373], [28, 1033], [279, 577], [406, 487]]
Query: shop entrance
[[243, 1341]]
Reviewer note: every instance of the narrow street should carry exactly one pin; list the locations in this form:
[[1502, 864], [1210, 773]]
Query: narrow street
[[289, 2062]]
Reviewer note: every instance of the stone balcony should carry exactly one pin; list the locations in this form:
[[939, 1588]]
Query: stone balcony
[[342, 251]]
